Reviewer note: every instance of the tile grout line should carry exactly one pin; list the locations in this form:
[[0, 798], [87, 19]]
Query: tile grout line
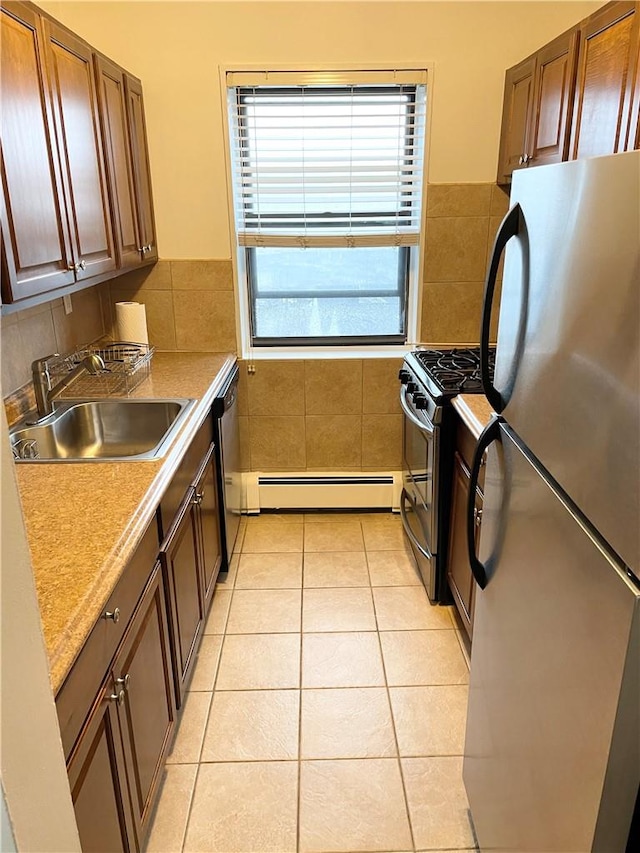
[[393, 722], [213, 687], [299, 797]]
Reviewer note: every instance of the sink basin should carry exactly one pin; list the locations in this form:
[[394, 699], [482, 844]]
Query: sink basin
[[101, 430]]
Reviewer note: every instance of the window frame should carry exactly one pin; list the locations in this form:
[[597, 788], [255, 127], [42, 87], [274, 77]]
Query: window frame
[[335, 75]]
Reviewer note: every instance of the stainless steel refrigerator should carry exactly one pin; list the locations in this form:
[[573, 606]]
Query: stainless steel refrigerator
[[552, 752]]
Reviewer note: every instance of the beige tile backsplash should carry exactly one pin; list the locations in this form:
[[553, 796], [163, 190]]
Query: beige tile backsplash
[[294, 414]]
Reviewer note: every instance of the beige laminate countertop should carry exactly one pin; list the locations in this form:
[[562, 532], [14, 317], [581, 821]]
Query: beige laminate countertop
[[475, 410], [84, 520]]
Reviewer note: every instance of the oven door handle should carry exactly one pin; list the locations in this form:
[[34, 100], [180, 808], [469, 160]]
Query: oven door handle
[[408, 412], [407, 529]]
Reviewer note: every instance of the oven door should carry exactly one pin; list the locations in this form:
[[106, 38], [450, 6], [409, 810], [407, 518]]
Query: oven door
[[420, 475]]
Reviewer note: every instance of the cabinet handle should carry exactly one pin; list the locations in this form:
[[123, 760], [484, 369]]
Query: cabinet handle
[[125, 681], [112, 614], [117, 697]]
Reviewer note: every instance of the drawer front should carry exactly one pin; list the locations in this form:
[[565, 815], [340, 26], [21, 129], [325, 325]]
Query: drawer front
[[74, 698], [185, 476]]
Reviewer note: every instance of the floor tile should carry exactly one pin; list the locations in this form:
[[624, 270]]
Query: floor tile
[[423, 657], [264, 611], [275, 518], [248, 807], [273, 538], [352, 805], [269, 571], [338, 610], [335, 569], [252, 725], [217, 619], [400, 608], [340, 536], [226, 580], [393, 568], [346, 723], [430, 720], [170, 819], [259, 662], [438, 806], [384, 536], [341, 660], [341, 517], [193, 721], [206, 665]]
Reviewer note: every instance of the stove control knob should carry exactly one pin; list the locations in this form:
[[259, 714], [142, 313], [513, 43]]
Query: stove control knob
[[412, 387], [419, 401], [404, 376]]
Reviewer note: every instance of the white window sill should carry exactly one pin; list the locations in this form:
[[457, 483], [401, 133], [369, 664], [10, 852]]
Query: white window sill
[[329, 352]]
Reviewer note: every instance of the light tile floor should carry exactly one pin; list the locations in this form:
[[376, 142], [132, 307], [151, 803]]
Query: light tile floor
[[327, 707]]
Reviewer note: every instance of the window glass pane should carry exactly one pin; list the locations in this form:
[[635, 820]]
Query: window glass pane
[[300, 293]]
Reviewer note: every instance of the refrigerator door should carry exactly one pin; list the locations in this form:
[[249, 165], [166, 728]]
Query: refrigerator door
[[568, 353], [552, 755]]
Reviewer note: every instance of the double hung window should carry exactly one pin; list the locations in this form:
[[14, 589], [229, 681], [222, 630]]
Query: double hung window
[[327, 187]]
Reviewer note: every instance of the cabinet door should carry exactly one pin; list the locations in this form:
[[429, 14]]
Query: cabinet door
[[141, 172], [459, 570], [553, 100], [182, 569], [148, 714], [97, 778], [115, 135], [35, 235], [209, 526], [607, 62], [75, 111], [516, 117]]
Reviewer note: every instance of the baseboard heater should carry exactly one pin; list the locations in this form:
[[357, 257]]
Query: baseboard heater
[[323, 491]]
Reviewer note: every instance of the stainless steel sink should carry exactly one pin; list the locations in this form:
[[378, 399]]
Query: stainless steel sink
[[101, 430]]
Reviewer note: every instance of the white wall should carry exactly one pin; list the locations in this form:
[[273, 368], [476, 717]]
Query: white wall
[[177, 47], [32, 767]]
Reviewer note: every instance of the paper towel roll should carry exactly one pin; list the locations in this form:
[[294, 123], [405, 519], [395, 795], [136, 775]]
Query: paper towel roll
[[131, 321]]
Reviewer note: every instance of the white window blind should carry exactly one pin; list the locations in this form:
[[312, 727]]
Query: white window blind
[[327, 164]]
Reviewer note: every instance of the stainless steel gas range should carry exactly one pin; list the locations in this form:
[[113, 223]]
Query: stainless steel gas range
[[429, 380]]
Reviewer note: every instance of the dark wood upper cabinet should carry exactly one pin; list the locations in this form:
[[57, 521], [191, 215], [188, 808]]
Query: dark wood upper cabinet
[[548, 140], [141, 171], [76, 204], [607, 72], [516, 117], [115, 134], [35, 234], [75, 112], [578, 96]]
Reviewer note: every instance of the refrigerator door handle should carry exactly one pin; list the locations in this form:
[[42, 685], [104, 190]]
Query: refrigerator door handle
[[490, 434], [513, 225]]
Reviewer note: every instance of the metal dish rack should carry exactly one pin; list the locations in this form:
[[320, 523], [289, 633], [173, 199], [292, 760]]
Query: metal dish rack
[[127, 365]]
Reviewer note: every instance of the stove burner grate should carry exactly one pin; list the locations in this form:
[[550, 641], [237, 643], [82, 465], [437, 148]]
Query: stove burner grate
[[454, 371]]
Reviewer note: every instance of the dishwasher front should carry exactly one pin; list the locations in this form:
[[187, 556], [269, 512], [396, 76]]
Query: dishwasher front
[[227, 439]]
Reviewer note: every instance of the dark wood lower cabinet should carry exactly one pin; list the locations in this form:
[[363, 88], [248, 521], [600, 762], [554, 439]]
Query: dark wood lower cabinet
[[98, 781], [116, 766], [180, 559], [209, 525], [119, 704], [148, 713]]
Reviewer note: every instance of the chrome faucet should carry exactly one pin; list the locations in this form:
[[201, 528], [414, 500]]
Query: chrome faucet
[[45, 394]]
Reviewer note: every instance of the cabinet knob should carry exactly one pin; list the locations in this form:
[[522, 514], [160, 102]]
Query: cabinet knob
[[521, 160], [125, 681], [117, 697], [81, 265], [112, 614], [197, 498], [477, 516]]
